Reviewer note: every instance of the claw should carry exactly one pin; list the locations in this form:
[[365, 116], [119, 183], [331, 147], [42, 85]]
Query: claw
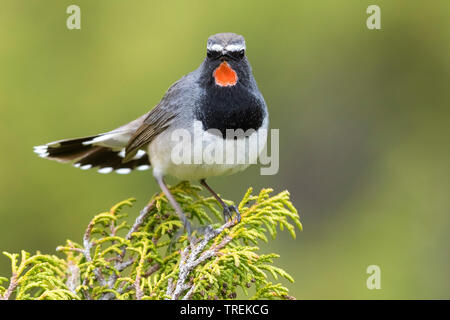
[[227, 213], [238, 214]]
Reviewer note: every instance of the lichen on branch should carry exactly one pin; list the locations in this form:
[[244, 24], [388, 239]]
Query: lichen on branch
[[152, 259]]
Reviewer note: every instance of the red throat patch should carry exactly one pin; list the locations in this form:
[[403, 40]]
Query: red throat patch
[[225, 76]]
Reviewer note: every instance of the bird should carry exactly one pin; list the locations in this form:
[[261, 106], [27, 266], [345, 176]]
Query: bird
[[219, 97]]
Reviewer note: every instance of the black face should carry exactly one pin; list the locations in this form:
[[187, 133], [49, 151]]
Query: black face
[[233, 55], [237, 106]]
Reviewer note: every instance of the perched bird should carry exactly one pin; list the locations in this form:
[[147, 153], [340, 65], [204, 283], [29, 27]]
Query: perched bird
[[221, 95]]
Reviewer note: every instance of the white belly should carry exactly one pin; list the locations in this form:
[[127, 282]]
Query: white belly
[[210, 155]]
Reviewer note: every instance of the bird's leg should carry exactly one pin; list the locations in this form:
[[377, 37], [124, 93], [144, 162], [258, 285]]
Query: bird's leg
[[174, 203], [226, 208]]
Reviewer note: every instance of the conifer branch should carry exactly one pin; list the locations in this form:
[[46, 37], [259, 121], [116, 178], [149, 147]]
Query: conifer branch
[[149, 260]]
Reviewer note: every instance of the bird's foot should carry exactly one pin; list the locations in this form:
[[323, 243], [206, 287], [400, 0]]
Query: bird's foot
[[227, 213]]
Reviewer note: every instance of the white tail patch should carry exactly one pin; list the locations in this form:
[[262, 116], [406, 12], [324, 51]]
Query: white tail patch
[[39, 148], [41, 151], [123, 171], [105, 170], [138, 155], [104, 152], [122, 153]]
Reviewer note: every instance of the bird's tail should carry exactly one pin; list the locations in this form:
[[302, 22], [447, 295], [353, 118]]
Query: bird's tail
[[104, 151]]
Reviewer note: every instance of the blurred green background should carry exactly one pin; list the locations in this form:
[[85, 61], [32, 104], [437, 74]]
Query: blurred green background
[[363, 118]]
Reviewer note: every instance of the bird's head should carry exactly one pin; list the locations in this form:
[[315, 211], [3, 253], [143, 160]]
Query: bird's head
[[226, 56]]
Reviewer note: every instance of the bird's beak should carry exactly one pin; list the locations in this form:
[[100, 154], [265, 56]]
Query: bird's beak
[[226, 56]]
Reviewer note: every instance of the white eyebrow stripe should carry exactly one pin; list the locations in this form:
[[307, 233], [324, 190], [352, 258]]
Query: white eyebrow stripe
[[234, 47], [215, 47]]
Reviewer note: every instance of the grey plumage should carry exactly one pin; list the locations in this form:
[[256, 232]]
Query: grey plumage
[[221, 94], [117, 149]]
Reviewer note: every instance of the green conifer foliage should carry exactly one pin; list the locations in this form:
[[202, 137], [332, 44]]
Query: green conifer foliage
[[153, 259]]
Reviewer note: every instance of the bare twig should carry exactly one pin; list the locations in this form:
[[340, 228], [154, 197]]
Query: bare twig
[[73, 280], [120, 265], [188, 295], [192, 256], [137, 287], [88, 244], [140, 219], [12, 286], [152, 270]]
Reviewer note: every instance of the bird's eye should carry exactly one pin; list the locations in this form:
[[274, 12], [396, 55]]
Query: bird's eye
[[212, 54], [238, 54]]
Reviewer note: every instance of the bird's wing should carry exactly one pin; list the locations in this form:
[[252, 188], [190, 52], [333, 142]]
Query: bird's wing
[[157, 121]]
